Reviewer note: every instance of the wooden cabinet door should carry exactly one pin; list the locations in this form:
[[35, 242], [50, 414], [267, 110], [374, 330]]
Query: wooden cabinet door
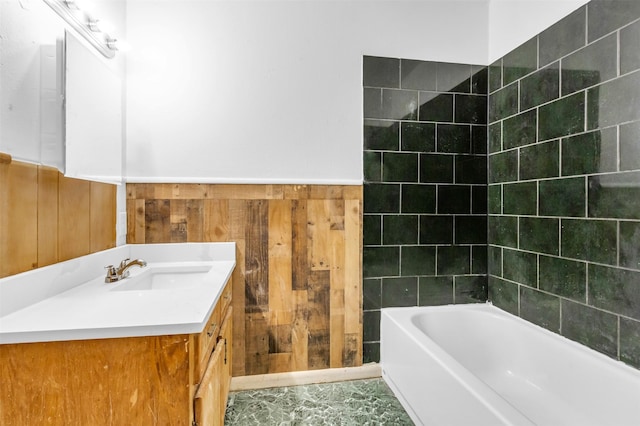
[[207, 397], [226, 333], [206, 340]]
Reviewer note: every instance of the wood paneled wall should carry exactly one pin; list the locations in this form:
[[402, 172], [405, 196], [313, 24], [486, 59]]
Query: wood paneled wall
[[47, 218], [297, 284]]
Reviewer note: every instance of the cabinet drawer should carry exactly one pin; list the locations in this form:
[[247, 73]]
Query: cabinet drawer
[[225, 298]]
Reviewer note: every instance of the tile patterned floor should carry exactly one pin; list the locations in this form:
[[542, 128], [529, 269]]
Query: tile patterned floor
[[357, 403]]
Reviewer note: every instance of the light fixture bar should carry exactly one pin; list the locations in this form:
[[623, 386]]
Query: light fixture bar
[[97, 39]]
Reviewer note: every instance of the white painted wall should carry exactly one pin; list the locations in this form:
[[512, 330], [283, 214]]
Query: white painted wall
[[270, 91], [113, 14], [241, 91], [512, 22]]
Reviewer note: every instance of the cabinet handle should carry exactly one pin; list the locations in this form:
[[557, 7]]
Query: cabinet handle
[[225, 351], [212, 329]]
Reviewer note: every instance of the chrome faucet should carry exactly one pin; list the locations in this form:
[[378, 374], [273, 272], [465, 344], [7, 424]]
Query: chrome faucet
[[116, 274]]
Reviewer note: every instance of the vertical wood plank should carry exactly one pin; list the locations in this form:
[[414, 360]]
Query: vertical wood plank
[[237, 219], [280, 288], [336, 212], [47, 216], [279, 336], [319, 321], [132, 234], [195, 220], [235, 216], [216, 220], [299, 259], [257, 257], [239, 328], [353, 267], [300, 332], [256, 343], [135, 221], [157, 221], [318, 227], [337, 335], [352, 356], [103, 216], [319, 300], [337, 319], [319, 342], [74, 222], [178, 221], [257, 287], [18, 221]]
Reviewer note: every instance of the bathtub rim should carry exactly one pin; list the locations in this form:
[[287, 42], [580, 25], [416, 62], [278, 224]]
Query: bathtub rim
[[488, 307]]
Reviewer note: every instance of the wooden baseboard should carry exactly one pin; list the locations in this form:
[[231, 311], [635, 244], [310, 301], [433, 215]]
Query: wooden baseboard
[[263, 381]]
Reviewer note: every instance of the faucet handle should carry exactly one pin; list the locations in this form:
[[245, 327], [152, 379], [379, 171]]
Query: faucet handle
[[124, 262], [112, 274]]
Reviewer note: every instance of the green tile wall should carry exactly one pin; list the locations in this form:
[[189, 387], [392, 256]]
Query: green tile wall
[[564, 179], [558, 172], [425, 196]]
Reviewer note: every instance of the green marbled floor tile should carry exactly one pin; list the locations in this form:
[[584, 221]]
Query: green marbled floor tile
[[358, 402]]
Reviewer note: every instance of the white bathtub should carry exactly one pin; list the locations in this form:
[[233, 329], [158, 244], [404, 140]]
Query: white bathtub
[[473, 365]]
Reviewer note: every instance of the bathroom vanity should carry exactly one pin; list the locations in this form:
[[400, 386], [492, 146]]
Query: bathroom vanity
[[154, 348]]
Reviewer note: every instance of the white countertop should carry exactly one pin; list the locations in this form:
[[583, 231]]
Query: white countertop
[[91, 309]]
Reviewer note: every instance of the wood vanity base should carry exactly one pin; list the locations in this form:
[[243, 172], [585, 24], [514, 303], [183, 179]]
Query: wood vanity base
[[127, 381], [97, 382]]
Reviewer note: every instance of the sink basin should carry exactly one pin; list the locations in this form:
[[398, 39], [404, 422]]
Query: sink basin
[[165, 278]]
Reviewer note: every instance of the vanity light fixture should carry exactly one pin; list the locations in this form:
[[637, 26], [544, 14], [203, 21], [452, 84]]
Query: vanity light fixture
[[85, 25]]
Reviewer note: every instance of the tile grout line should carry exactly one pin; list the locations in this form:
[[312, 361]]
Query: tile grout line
[[561, 317], [618, 253], [586, 26], [618, 56], [618, 337], [618, 157], [587, 279]]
